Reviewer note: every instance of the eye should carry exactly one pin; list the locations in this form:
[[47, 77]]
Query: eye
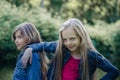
[[72, 39], [19, 36]]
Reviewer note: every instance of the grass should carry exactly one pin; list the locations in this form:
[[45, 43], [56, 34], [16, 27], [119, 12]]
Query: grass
[[100, 73], [6, 74]]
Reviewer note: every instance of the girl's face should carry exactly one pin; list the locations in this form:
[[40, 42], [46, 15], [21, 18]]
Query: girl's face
[[20, 41], [71, 40]]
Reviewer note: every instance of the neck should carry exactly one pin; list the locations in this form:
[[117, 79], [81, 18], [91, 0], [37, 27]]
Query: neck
[[76, 55]]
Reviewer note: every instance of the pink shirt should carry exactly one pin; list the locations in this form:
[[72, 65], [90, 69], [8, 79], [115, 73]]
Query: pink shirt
[[70, 70]]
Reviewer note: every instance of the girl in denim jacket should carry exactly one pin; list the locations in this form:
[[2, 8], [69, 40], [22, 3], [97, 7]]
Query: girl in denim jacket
[[75, 56], [24, 34]]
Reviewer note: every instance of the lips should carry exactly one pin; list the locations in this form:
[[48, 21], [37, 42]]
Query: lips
[[17, 45], [70, 47]]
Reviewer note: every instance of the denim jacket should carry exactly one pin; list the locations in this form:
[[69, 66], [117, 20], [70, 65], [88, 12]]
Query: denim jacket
[[95, 60], [31, 72]]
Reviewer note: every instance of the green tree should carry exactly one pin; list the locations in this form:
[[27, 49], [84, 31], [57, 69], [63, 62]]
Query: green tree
[[86, 10]]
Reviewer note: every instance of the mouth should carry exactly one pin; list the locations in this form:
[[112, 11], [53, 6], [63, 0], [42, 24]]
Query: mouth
[[17, 45], [70, 47]]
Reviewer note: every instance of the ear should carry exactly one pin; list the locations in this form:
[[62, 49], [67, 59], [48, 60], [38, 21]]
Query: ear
[[27, 40], [81, 41]]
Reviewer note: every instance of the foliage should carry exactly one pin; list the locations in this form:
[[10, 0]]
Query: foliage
[[86, 10], [18, 2], [31, 3], [10, 16], [106, 38], [116, 45], [6, 73]]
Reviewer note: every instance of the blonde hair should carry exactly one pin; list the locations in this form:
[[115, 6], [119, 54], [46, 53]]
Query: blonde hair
[[85, 44], [28, 30]]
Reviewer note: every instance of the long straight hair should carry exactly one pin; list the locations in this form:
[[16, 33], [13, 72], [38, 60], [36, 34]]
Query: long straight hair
[[29, 31], [85, 44]]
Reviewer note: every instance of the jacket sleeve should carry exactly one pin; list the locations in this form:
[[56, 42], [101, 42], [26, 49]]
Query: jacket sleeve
[[34, 70], [44, 46], [111, 71]]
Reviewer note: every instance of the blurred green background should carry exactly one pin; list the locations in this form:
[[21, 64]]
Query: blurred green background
[[100, 17]]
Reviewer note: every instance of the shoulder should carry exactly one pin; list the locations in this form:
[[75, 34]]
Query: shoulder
[[92, 54], [53, 43], [36, 55]]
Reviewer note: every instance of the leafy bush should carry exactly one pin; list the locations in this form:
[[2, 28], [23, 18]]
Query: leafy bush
[[10, 16], [116, 45], [106, 39]]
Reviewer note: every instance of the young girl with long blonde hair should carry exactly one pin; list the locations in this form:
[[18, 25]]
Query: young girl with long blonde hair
[[75, 56]]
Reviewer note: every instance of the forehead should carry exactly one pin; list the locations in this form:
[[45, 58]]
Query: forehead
[[69, 32], [18, 32]]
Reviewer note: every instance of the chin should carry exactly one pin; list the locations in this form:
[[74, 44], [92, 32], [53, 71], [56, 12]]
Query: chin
[[18, 48]]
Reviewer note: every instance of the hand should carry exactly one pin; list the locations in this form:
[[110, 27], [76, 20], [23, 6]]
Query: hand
[[27, 56]]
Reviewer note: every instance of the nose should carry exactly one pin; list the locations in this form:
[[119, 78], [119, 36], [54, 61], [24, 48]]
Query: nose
[[68, 42]]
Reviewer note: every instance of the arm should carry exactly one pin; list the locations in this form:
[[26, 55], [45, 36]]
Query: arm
[[46, 46], [34, 70], [106, 66]]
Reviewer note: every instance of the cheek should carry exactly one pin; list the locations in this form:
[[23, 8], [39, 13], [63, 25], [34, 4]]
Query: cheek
[[64, 43], [26, 41], [76, 42]]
